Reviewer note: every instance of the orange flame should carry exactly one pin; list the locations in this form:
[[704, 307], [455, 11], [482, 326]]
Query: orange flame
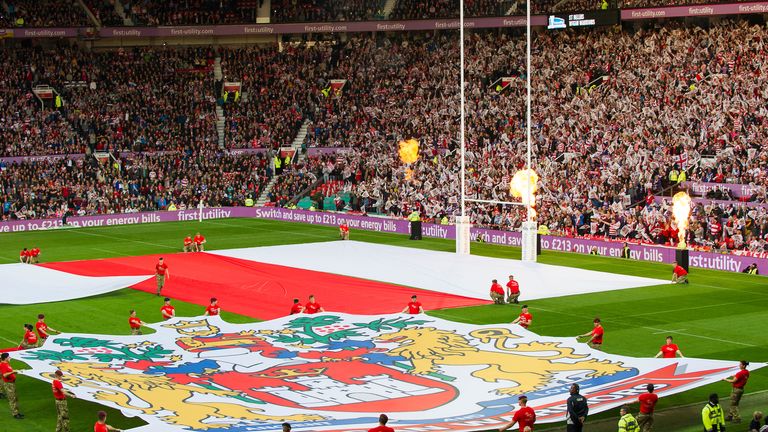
[[524, 185], [681, 210], [409, 151]]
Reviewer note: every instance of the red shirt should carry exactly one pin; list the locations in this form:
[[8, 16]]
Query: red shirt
[[213, 310], [679, 271], [187, 241], [648, 402], [344, 227], [414, 307], [34, 252], [161, 269], [525, 319], [58, 390], [167, 311], [134, 322], [30, 337], [497, 289], [296, 308], [199, 239], [312, 308], [597, 334], [381, 428], [740, 379], [42, 329], [669, 350], [513, 287], [100, 427], [525, 417], [5, 368], [24, 253]]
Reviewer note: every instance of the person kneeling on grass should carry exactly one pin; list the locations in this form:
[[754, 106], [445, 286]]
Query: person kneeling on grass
[[679, 274], [344, 231], [497, 292]]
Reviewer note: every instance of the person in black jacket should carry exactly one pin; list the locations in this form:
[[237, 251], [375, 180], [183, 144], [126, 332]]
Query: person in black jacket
[[577, 410]]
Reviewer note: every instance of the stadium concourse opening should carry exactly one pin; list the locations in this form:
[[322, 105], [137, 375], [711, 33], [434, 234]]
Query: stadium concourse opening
[[352, 277]]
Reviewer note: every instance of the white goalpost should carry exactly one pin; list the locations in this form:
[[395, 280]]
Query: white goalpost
[[529, 228]]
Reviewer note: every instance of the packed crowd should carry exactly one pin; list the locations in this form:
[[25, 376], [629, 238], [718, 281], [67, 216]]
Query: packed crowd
[[42, 13], [326, 10], [140, 100], [104, 11], [619, 117], [191, 12], [279, 88], [588, 158], [129, 183]]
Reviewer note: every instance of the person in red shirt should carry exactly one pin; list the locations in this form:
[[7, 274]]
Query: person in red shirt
[[213, 309], [413, 307], [24, 256], [513, 290], [161, 274], [382, 427], [525, 417], [497, 292], [34, 255], [313, 307], [344, 231], [679, 274], [738, 382], [60, 395], [525, 319], [297, 307], [167, 310], [135, 323], [647, 406], [42, 328], [9, 382], [30, 338], [595, 336], [199, 242], [101, 424], [189, 245], [669, 350]]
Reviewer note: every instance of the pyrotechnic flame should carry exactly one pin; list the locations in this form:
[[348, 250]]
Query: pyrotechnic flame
[[408, 173], [409, 151], [524, 185], [681, 210]]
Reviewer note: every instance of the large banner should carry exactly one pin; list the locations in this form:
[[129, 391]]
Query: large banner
[[339, 371], [695, 10], [737, 190]]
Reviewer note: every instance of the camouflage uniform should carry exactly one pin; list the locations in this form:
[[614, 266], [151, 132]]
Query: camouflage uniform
[[10, 393], [62, 416]]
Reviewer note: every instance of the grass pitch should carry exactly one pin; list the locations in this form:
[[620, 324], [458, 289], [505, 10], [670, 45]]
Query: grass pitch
[[719, 315]]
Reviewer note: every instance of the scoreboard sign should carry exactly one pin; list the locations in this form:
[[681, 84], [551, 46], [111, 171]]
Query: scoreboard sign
[[583, 19]]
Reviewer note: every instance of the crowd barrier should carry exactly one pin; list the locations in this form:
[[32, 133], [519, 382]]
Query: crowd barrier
[[639, 252]]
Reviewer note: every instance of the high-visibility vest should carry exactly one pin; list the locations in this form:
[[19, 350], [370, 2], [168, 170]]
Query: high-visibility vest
[[278, 162], [604, 5], [58, 101], [249, 202], [627, 423], [414, 216], [712, 416], [237, 95], [172, 207], [752, 271], [444, 220], [225, 96], [673, 176], [681, 178], [287, 160]]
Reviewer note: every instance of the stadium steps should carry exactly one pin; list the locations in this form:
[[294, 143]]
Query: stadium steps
[[120, 11], [220, 122], [389, 6], [299, 140], [263, 197], [263, 14]]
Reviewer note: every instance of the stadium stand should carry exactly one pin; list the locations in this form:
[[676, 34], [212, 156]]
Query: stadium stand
[[42, 13]]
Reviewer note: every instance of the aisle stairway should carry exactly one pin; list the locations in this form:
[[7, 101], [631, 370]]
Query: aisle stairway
[[220, 123], [300, 158]]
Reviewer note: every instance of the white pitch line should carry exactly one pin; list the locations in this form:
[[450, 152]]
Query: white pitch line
[[668, 331], [9, 341], [121, 238], [705, 337], [657, 329]]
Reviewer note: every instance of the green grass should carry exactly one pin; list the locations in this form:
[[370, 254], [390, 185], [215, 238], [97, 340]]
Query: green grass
[[719, 315]]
